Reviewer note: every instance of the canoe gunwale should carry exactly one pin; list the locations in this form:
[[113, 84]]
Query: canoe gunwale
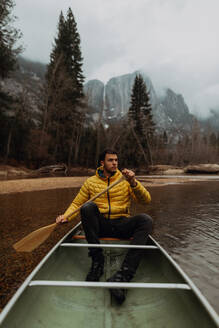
[[26, 283], [213, 314]]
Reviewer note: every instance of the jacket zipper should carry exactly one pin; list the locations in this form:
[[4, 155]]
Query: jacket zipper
[[109, 199]]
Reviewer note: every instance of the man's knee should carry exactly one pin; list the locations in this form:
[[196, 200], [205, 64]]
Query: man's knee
[[87, 209], [145, 222]]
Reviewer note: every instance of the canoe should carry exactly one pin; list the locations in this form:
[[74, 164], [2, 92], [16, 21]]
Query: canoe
[[56, 295]]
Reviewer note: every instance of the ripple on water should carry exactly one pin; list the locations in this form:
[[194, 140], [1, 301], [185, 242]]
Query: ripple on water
[[186, 224]]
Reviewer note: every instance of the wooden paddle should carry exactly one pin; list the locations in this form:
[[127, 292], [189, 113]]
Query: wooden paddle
[[37, 237]]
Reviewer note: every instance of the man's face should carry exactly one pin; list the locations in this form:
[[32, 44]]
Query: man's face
[[110, 163]]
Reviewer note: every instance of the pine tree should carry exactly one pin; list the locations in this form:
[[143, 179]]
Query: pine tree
[[74, 56], [57, 49], [64, 113], [8, 37], [140, 109], [140, 116], [67, 45]]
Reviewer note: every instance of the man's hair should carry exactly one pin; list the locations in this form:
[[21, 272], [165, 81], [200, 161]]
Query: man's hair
[[103, 155]]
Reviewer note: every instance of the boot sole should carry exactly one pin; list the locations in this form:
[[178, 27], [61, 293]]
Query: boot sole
[[119, 298]]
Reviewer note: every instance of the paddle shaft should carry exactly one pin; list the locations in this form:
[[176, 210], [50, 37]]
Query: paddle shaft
[[96, 196], [91, 199], [37, 237]]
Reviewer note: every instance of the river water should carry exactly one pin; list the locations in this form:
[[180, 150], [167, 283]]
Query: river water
[[186, 218], [186, 223]]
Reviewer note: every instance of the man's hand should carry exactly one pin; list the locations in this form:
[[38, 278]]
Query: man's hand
[[130, 177], [61, 219]]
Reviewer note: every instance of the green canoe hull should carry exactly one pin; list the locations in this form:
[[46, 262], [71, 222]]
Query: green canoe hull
[[54, 306]]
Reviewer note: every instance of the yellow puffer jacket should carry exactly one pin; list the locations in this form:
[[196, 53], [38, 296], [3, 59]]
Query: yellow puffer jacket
[[115, 202]]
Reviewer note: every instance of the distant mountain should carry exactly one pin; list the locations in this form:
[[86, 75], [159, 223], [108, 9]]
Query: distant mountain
[[118, 93], [27, 66], [212, 121], [27, 81], [94, 91], [29, 76], [169, 112], [176, 110]]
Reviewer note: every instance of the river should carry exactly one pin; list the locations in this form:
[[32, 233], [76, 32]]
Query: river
[[186, 223]]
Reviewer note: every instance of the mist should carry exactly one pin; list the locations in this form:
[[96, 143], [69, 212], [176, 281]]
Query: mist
[[174, 42]]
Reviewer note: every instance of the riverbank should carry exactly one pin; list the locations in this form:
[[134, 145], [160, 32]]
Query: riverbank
[[8, 173], [22, 185], [28, 185]]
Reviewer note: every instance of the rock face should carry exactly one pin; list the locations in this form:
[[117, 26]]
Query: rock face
[[27, 82], [169, 112], [94, 91], [176, 109], [29, 88], [118, 92]]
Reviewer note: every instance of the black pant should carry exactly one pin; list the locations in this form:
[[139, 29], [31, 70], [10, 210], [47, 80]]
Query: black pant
[[96, 225]]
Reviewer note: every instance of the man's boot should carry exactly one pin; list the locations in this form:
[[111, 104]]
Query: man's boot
[[96, 270], [123, 275]]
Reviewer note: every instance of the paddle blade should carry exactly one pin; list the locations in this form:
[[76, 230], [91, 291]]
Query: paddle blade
[[34, 239]]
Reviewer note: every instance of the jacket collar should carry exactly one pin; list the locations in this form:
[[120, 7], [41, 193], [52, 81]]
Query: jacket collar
[[100, 174]]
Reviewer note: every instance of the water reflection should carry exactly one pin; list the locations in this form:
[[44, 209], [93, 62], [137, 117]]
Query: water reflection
[[186, 224]]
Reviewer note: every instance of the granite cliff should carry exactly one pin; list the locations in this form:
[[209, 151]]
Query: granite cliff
[[169, 112]]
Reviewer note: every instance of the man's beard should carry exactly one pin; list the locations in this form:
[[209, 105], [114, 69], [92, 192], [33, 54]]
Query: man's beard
[[113, 170]]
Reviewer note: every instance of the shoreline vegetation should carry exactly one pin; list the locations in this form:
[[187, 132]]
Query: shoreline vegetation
[[20, 179]]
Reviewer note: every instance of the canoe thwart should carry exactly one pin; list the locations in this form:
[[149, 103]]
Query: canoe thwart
[[59, 283], [109, 246]]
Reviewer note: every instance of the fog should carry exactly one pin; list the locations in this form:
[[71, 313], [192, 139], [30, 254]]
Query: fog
[[174, 42]]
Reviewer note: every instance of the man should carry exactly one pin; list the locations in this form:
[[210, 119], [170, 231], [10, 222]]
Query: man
[[109, 216]]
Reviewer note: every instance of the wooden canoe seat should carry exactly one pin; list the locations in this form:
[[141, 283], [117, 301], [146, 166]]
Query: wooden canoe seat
[[106, 239]]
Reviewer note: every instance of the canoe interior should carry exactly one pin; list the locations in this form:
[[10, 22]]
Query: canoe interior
[[51, 307]]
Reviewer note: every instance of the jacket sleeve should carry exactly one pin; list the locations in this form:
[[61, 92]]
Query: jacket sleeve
[[140, 193], [80, 199]]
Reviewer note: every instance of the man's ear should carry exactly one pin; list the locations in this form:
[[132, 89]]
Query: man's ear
[[102, 163]]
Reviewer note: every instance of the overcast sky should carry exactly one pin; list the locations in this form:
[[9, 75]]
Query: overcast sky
[[176, 42]]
